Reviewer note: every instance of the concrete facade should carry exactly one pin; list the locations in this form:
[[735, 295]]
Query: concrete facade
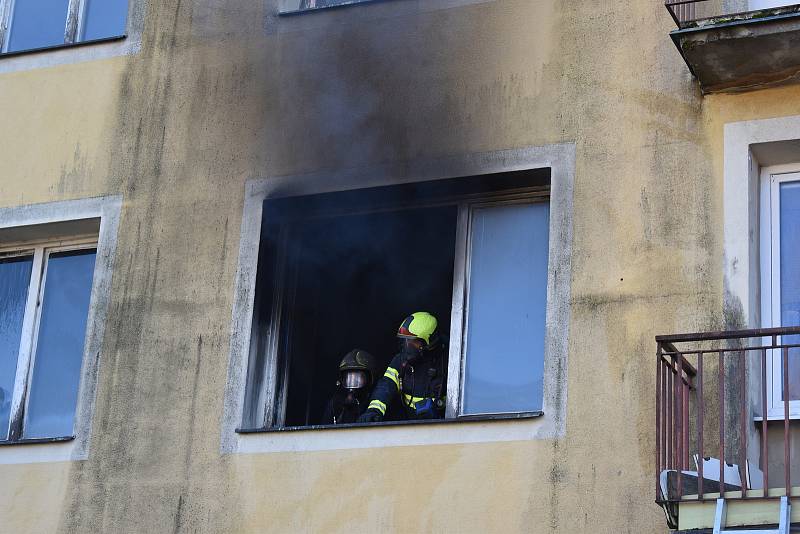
[[218, 94]]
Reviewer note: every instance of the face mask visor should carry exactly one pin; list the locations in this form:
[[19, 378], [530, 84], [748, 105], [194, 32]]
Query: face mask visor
[[410, 345], [354, 379]]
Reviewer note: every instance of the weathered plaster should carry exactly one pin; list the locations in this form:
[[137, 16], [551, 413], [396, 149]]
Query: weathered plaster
[[216, 96]]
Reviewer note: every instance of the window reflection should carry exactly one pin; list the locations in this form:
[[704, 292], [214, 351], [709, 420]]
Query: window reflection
[[506, 315], [15, 275], [59, 349], [105, 18], [790, 275], [38, 23]]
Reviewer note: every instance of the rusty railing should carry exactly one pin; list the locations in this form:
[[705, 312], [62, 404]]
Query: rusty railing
[[711, 396], [682, 11], [688, 13]]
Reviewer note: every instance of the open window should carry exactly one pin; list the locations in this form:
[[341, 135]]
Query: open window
[[339, 271]]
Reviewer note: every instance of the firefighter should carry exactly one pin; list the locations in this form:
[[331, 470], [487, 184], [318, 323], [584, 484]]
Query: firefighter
[[358, 371], [416, 376]]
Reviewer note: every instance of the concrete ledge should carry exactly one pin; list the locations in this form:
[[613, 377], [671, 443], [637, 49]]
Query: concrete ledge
[[759, 511], [742, 55]]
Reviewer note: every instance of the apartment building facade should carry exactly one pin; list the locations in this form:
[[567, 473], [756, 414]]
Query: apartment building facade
[[205, 204]]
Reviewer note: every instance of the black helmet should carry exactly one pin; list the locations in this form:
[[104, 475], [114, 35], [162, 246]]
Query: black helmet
[[358, 369]]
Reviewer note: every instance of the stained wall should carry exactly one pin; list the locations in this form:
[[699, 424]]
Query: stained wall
[[223, 92]]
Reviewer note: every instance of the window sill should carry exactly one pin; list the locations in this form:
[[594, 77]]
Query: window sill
[[34, 441], [344, 3], [423, 422], [62, 46]]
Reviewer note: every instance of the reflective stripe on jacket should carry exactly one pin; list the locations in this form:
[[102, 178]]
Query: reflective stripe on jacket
[[417, 386]]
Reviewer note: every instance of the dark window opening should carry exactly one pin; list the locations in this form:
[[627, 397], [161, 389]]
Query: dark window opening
[[340, 271], [357, 278]]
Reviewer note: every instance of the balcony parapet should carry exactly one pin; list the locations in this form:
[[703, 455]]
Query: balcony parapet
[[735, 51], [713, 391]]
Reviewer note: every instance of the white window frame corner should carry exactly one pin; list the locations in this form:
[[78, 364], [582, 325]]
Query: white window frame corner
[[107, 210], [770, 179], [747, 268]]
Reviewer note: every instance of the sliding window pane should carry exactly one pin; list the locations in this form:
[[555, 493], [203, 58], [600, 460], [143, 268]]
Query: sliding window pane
[[59, 349], [105, 18], [37, 23], [506, 309], [15, 276], [790, 276]]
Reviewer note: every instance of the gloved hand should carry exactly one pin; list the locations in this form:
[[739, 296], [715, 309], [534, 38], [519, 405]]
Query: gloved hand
[[370, 416]]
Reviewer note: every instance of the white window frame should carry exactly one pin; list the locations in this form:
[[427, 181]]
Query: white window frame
[[26, 358], [770, 180], [273, 390], [74, 24], [559, 158], [457, 358], [107, 210]]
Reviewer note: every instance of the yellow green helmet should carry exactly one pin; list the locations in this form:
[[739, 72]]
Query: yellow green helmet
[[420, 325]]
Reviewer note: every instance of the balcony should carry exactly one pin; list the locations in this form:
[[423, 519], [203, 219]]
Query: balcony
[[731, 47], [727, 438]]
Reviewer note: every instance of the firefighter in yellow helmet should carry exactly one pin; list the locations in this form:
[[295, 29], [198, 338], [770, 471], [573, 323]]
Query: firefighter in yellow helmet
[[416, 376]]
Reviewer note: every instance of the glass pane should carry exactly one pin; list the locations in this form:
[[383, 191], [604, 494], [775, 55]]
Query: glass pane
[[507, 304], [59, 349], [105, 18], [15, 275], [790, 275], [37, 23]]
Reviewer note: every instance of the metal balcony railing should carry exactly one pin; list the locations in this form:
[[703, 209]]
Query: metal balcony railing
[[687, 13], [713, 396], [682, 11]]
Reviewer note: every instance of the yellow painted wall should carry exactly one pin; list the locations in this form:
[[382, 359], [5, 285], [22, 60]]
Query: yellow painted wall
[[221, 92]]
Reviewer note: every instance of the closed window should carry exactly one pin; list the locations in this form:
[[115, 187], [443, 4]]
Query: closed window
[[35, 24], [506, 305], [45, 293], [340, 271], [781, 280]]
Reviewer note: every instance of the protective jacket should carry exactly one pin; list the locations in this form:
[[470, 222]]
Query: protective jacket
[[343, 408], [418, 384]]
